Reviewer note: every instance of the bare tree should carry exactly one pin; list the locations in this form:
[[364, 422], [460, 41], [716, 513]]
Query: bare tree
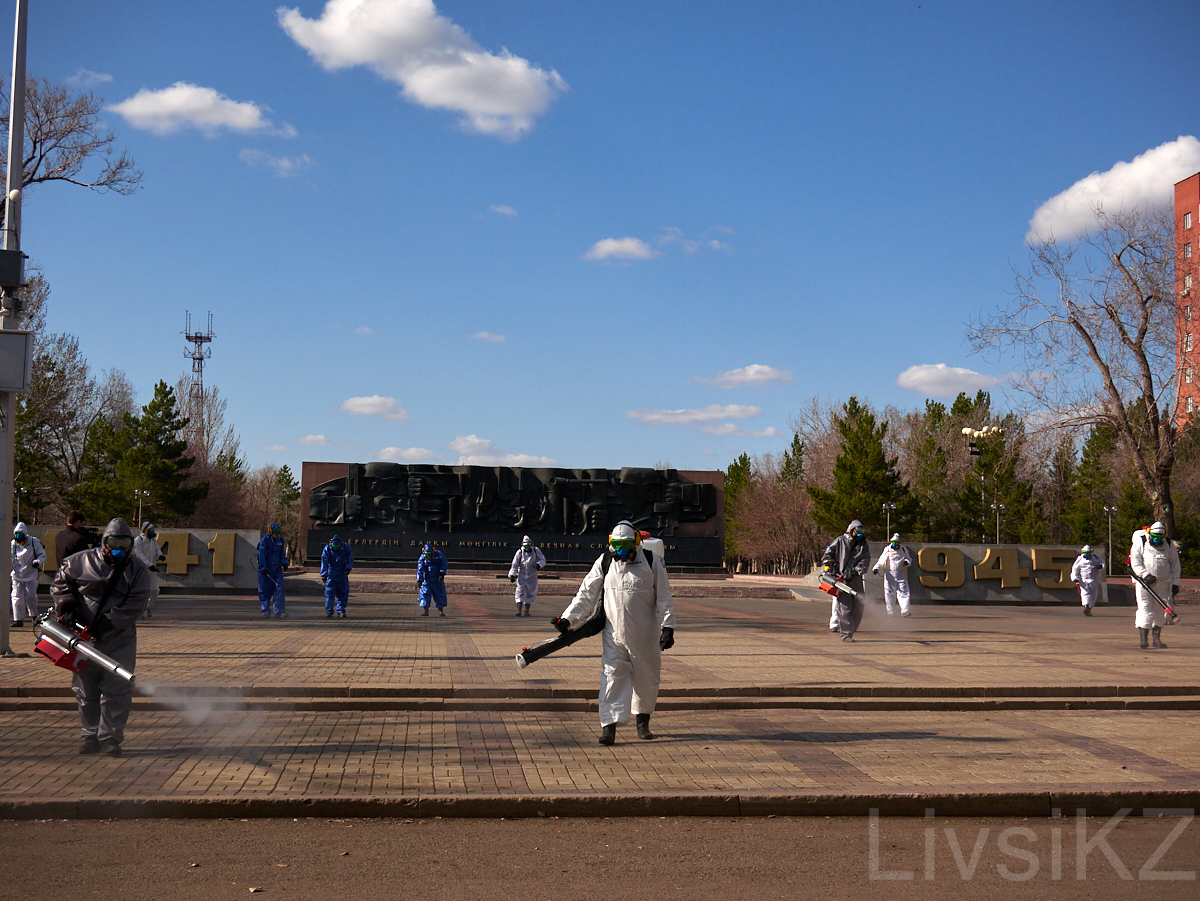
[[774, 522], [1094, 322], [66, 141]]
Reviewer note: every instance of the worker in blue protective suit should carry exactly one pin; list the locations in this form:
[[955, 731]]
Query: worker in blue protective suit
[[336, 562], [524, 572], [272, 561], [431, 579]]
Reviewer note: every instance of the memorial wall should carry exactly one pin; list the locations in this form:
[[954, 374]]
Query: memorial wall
[[387, 511]]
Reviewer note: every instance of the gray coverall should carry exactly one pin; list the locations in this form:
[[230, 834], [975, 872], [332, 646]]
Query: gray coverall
[[104, 699]]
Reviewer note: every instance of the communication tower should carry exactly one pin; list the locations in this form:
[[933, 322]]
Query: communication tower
[[199, 352]]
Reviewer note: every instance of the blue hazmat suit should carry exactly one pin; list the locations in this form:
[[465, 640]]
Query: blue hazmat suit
[[431, 571], [335, 570], [272, 559]]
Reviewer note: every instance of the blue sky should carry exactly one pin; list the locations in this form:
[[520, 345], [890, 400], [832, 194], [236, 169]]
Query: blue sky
[[588, 233]]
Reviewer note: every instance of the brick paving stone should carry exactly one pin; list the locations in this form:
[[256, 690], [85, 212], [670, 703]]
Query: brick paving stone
[[212, 743]]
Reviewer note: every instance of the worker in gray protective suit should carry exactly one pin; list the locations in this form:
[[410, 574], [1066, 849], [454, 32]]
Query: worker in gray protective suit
[[524, 571], [640, 625], [104, 589], [847, 558]]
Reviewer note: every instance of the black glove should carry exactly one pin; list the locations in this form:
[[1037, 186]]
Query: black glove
[[512, 578], [154, 569], [1174, 590], [441, 577], [666, 641], [37, 564], [874, 570], [262, 572], [101, 627], [563, 625], [1150, 579]]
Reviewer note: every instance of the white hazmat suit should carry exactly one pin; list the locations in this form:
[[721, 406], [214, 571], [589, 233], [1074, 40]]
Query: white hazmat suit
[[146, 549], [893, 561], [1162, 562], [1088, 573], [525, 565], [25, 574], [637, 604]]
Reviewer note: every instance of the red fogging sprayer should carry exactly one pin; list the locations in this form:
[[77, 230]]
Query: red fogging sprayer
[[66, 644], [831, 584]]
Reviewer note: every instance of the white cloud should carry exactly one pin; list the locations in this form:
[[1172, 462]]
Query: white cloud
[[708, 414], [406, 454], [1147, 182], [940, 380], [725, 428], [503, 210], [489, 337], [769, 432], [621, 249], [364, 330], [384, 407], [184, 105], [476, 451], [313, 441], [675, 236], [85, 78], [275, 448], [436, 62], [754, 374], [283, 166]]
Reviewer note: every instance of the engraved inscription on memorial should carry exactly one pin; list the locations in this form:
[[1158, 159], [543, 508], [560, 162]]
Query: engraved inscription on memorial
[[451, 499]]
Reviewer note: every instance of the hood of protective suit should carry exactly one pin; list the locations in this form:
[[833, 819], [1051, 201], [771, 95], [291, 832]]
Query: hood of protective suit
[[20, 527], [624, 530], [855, 524], [117, 526], [896, 537], [526, 540]]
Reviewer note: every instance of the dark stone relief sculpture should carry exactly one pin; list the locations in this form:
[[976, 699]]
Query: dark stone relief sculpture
[[451, 499]]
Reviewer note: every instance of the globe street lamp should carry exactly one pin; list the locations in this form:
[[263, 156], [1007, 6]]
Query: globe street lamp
[[1111, 511], [141, 494], [887, 509], [973, 436]]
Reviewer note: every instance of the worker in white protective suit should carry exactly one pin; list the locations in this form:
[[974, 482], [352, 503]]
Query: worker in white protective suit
[[146, 549], [635, 594], [28, 559], [1087, 573], [524, 572], [894, 561], [1155, 561]]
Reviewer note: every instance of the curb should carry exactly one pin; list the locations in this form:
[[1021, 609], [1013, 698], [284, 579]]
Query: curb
[[945, 804]]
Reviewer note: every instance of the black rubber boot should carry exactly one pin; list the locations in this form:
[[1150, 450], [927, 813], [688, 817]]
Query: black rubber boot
[[1156, 637], [1087, 611], [1145, 644], [527, 610], [643, 727], [608, 734], [518, 609], [91, 745]]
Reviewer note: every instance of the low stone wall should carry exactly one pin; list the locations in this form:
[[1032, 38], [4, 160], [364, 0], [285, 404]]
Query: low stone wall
[[197, 559]]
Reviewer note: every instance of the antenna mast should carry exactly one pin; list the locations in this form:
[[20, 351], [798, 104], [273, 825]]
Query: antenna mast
[[199, 352]]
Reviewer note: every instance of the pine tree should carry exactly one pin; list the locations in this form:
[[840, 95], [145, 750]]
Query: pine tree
[[147, 453], [737, 479], [864, 479]]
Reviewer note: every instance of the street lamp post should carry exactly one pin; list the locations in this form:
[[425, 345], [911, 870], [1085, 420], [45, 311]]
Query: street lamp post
[[887, 509], [999, 508], [141, 494], [20, 492], [1111, 511], [973, 436]]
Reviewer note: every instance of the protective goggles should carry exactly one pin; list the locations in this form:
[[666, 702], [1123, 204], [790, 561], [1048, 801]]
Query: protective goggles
[[118, 542], [19, 537], [1158, 537], [336, 544], [621, 544]]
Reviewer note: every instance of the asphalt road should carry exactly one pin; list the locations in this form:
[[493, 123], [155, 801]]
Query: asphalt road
[[692, 858]]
